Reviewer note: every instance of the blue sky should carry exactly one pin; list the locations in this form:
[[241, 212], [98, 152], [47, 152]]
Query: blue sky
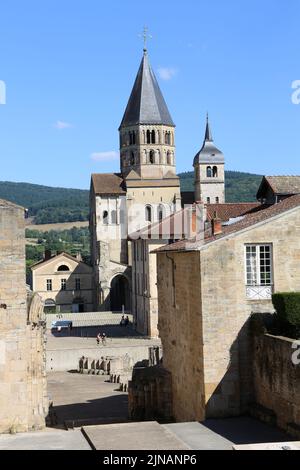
[[69, 66]]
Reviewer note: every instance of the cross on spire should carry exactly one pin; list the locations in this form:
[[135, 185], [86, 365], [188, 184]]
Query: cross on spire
[[145, 37]]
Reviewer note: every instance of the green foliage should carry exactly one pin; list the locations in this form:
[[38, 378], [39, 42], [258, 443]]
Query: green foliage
[[239, 187], [46, 204], [71, 241], [287, 306], [57, 205]]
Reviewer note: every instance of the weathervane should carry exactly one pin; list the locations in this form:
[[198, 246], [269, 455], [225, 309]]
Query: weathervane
[[145, 36]]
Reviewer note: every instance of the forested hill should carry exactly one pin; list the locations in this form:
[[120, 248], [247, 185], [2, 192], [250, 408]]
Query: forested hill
[[50, 205], [47, 204]]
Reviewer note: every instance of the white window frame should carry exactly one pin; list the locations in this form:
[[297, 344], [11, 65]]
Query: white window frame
[[259, 290], [49, 285]]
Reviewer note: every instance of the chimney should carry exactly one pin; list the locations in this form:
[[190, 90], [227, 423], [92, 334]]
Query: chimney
[[78, 256], [47, 255], [216, 226]]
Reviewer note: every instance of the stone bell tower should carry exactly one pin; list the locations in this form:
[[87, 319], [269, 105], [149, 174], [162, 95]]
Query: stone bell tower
[[147, 131], [209, 171]]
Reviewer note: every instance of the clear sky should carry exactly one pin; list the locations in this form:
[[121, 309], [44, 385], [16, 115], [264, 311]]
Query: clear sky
[[69, 66]]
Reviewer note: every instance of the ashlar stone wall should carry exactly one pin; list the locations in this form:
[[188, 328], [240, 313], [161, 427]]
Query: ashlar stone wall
[[23, 392]]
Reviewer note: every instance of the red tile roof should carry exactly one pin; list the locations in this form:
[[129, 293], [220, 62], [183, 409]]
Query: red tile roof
[[230, 210], [248, 220]]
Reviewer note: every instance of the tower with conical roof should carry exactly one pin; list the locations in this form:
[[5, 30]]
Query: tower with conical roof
[[209, 171], [147, 151], [147, 131]]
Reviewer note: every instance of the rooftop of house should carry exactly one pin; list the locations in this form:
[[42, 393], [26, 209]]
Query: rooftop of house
[[280, 185], [108, 183], [228, 211], [262, 214], [50, 257]]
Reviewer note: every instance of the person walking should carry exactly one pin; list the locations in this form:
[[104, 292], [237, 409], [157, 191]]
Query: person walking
[[99, 337], [103, 339]]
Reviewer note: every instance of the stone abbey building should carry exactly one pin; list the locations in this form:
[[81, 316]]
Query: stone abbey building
[[146, 191]]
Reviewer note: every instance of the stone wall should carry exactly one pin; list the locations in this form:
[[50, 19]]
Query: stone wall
[[23, 394], [277, 382], [204, 316], [180, 328]]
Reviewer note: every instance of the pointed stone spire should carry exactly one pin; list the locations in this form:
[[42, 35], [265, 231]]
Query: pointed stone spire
[[146, 104], [208, 135], [208, 153]]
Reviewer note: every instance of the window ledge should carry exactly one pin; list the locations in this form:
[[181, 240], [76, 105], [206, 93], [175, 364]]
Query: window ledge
[[259, 292]]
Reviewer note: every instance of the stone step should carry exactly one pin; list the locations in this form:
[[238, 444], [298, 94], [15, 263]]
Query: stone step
[[79, 423]]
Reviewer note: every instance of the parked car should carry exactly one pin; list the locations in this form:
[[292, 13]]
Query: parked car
[[59, 325]]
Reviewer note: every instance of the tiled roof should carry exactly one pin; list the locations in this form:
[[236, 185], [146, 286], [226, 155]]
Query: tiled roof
[[248, 220], [108, 183], [230, 210], [280, 184]]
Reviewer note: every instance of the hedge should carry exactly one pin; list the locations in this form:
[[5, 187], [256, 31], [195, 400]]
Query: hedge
[[287, 306]]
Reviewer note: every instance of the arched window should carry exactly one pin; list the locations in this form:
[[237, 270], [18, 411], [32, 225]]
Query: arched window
[[151, 157], [169, 158], [217, 200], [153, 137], [209, 172], [105, 217], [113, 217], [63, 267], [148, 137], [215, 171], [168, 138], [148, 214], [208, 200], [132, 159], [161, 213]]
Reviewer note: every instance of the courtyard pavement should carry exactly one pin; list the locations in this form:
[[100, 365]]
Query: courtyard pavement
[[45, 440], [116, 337], [222, 434], [81, 399]]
